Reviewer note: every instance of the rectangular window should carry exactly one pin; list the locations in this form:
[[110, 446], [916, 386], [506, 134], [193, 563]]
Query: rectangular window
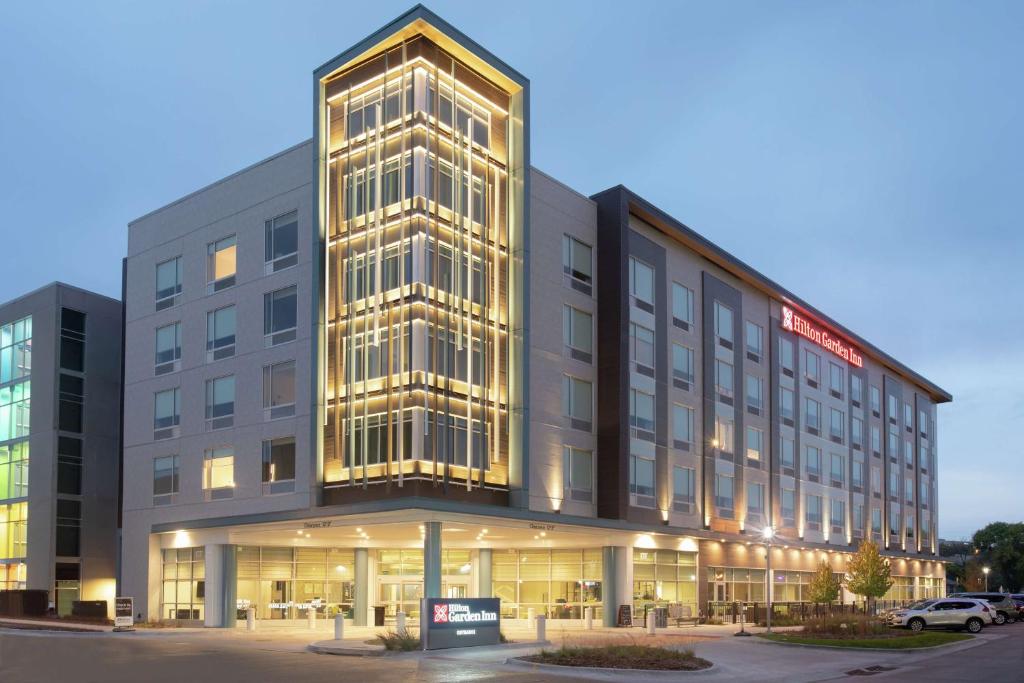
[[858, 518], [72, 340], [755, 341], [279, 465], [168, 348], [908, 453], [577, 474], [220, 264], [641, 284], [894, 522], [682, 426], [683, 487], [641, 347], [69, 528], [838, 470], [788, 453], [876, 480], [908, 417], [69, 468], [836, 422], [166, 413], [856, 390], [812, 367], [812, 416], [165, 479], [220, 333], [755, 445], [908, 490], [724, 434], [168, 283], [279, 316], [812, 462], [723, 324], [788, 505], [876, 401], [578, 333], [70, 409], [858, 472], [876, 440], [577, 402], [894, 409], [923, 496], [786, 356], [786, 406], [755, 391], [724, 379], [835, 379], [279, 390], [641, 410], [838, 516], [641, 477], [724, 495], [282, 242], [577, 263], [876, 521], [813, 512], [910, 526], [219, 472], [894, 484], [682, 366], [682, 306], [220, 402], [857, 433], [922, 423], [755, 500]]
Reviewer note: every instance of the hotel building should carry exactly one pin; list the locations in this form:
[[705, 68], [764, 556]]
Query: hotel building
[[60, 400], [396, 361]]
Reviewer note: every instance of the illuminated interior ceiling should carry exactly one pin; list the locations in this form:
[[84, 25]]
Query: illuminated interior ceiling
[[420, 151]]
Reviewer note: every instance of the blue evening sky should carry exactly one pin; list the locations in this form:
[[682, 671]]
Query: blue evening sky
[[865, 155]]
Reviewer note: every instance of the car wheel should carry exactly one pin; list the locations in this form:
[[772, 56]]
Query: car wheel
[[1000, 618], [916, 625], [974, 625]]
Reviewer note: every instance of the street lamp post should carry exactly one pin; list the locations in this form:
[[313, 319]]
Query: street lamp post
[[768, 533], [985, 571]]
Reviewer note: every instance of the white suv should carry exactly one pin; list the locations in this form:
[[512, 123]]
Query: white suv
[[944, 613]]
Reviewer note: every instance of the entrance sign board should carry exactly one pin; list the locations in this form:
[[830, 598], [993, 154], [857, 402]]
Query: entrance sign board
[[625, 617], [794, 322], [459, 622], [124, 613]]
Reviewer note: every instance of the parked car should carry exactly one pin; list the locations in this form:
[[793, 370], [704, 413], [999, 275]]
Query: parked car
[[1018, 598], [943, 613], [1006, 608]]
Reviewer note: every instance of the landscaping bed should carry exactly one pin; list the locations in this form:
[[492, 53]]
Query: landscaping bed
[[621, 657], [896, 640]]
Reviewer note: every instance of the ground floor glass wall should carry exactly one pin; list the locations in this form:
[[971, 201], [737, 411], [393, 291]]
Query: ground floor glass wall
[[284, 583], [183, 584], [12, 576], [664, 578], [400, 578], [554, 583], [902, 589]]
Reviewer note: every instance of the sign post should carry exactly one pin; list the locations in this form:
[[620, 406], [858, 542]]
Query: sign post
[[459, 622], [124, 614]]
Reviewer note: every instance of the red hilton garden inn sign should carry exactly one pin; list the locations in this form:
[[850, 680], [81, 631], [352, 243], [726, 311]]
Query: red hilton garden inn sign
[[794, 322]]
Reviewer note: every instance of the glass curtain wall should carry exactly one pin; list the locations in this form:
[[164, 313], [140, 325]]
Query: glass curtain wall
[[284, 583], [183, 583], [554, 583], [15, 424], [664, 577], [417, 199]]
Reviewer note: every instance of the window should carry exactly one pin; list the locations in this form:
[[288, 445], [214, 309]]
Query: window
[[641, 283], [683, 487], [908, 453], [812, 367], [755, 445], [922, 458], [910, 526], [166, 413], [894, 410], [857, 433], [812, 461], [682, 365], [168, 348], [908, 417], [279, 317], [168, 283], [279, 390], [908, 490], [923, 496], [723, 378], [786, 405], [835, 379], [894, 522], [69, 468], [786, 356], [641, 346], [220, 402], [220, 264], [894, 484], [812, 415], [876, 521], [578, 474], [641, 476], [578, 333], [755, 389], [70, 408], [219, 472], [279, 465], [876, 440], [577, 402], [641, 410], [220, 333], [282, 243], [165, 479], [72, 340], [69, 528], [812, 514], [755, 341], [723, 324], [682, 306], [876, 400], [858, 471], [838, 470], [856, 390], [876, 480], [755, 500], [922, 423], [838, 516], [788, 505], [682, 426], [577, 263], [724, 495], [858, 518], [788, 453], [836, 420], [724, 434]]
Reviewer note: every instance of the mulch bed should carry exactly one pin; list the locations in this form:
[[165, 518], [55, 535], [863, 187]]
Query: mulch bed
[[622, 657]]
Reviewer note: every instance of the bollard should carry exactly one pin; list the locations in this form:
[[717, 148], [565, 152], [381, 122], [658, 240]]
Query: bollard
[[650, 622], [531, 615], [311, 618], [541, 629], [588, 618], [400, 623], [339, 626], [250, 619]]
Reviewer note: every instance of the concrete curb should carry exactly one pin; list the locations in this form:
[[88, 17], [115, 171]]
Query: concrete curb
[[890, 650], [321, 649], [346, 651], [603, 673]]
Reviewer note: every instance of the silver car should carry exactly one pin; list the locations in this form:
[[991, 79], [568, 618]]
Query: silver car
[[943, 613]]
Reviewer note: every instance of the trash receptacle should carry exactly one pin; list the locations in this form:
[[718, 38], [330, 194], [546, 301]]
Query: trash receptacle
[[661, 617], [378, 615]]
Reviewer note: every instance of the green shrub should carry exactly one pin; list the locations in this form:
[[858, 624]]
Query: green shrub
[[399, 642], [846, 626], [782, 620], [622, 657]]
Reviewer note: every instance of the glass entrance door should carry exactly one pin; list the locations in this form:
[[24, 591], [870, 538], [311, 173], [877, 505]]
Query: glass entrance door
[[399, 595], [455, 589]]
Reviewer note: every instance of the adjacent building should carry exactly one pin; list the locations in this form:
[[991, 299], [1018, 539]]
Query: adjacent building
[[60, 400], [396, 361]]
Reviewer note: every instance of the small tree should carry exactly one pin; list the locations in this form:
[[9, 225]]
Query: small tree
[[824, 584], [868, 574]]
